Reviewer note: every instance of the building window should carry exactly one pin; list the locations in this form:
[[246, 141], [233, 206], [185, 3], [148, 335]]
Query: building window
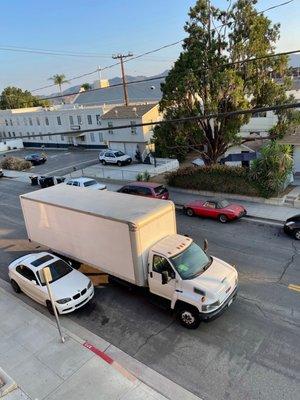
[[71, 120], [38, 121], [33, 134], [98, 119], [58, 120], [82, 138], [62, 138], [41, 136], [4, 134], [11, 123], [46, 121], [261, 114], [79, 120], [100, 137], [9, 134], [14, 134], [92, 137], [133, 128], [110, 125], [6, 122], [89, 119], [30, 121]]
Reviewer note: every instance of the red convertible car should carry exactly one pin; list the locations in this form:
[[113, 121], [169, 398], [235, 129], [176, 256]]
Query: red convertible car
[[217, 209]]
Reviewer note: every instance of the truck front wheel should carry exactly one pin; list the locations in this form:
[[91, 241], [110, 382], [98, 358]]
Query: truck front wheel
[[189, 317]]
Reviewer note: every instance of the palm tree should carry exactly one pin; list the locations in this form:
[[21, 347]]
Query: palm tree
[[58, 80], [86, 86]]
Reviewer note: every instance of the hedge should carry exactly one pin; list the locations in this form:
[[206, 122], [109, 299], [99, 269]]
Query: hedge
[[216, 178], [15, 163]]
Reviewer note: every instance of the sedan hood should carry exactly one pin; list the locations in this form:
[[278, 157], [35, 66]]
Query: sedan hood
[[236, 208], [123, 158], [69, 285]]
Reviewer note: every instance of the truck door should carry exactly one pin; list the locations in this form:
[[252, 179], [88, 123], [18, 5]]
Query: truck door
[[158, 264]]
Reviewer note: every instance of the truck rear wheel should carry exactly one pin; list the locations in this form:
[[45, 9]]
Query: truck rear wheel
[[189, 317]]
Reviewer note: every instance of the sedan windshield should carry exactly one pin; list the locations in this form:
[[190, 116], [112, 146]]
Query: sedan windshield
[[58, 269], [90, 183], [191, 262]]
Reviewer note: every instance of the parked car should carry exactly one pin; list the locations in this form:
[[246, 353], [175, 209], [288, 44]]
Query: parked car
[[71, 289], [217, 209], [36, 159], [114, 157], [86, 183], [292, 226], [148, 189]]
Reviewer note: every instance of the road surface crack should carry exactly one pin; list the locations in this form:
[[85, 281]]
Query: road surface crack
[[289, 263], [153, 335]]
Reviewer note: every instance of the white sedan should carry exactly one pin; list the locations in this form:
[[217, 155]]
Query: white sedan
[[70, 288], [86, 183]]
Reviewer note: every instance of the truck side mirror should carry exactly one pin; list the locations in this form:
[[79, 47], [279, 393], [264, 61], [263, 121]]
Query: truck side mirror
[[164, 277], [205, 245]]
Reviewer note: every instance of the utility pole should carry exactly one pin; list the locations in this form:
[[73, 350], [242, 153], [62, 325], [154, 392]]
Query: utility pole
[[121, 58]]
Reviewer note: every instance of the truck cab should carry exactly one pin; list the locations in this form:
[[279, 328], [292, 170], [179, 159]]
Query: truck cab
[[197, 285]]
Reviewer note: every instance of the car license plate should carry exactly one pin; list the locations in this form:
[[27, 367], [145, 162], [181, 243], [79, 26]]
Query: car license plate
[[230, 302]]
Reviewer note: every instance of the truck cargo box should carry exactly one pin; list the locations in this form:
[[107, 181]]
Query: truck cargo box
[[110, 231]]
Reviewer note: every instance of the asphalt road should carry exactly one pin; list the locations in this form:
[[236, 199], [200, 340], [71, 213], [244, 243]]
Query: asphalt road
[[251, 352], [59, 162]]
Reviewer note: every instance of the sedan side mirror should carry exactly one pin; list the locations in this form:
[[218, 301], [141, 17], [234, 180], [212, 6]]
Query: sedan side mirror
[[164, 277], [205, 245]]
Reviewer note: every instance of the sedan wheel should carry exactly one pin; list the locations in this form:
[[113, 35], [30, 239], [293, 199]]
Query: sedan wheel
[[15, 286], [189, 212], [297, 234], [223, 218]]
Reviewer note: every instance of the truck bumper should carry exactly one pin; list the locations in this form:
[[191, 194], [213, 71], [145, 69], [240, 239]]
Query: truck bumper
[[216, 313]]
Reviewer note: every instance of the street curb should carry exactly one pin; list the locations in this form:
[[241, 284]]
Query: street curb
[[134, 370], [180, 207]]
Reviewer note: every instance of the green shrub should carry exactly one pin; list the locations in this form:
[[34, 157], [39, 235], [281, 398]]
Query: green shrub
[[15, 163], [215, 178], [143, 176]]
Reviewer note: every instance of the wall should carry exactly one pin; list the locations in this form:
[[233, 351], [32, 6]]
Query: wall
[[11, 144]]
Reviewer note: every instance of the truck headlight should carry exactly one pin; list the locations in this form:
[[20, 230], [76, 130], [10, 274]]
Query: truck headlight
[[207, 307], [63, 301]]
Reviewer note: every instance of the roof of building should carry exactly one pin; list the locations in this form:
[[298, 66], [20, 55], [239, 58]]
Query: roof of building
[[137, 92], [127, 112], [293, 137]]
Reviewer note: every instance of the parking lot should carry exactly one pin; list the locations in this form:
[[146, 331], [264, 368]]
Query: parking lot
[[59, 162]]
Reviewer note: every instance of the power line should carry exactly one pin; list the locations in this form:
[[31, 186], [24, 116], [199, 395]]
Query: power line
[[175, 120], [50, 52], [164, 76]]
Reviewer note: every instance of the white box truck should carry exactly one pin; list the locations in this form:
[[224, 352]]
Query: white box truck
[[133, 239]]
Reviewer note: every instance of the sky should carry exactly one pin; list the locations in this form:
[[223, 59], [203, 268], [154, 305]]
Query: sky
[[105, 28]]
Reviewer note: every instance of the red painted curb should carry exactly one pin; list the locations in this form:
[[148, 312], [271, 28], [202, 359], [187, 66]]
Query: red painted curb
[[98, 352]]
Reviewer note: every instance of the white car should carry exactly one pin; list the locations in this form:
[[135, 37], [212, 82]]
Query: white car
[[86, 183], [114, 157], [71, 289]]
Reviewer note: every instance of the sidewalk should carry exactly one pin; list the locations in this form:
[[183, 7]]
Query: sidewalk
[[42, 367]]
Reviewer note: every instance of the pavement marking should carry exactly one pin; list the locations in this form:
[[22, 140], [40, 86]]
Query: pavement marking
[[294, 287], [66, 154], [110, 361], [56, 155], [71, 166]]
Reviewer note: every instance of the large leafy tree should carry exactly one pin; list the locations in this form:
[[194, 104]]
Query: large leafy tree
[[13, 97], [211, 76]]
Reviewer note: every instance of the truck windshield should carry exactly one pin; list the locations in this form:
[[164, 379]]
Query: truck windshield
[[191, 262], [58, 269]]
